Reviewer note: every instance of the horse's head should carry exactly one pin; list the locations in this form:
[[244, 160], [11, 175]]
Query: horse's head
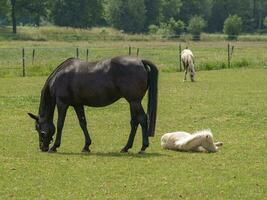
[[208, 143], [45, 130]]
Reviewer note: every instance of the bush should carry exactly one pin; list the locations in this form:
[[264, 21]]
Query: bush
[[265, 22], [232, 26], [196, 26], [169, 29], [177, 26], [153, 29]]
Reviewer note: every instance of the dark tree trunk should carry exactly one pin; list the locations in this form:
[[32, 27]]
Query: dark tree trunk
[[13, 13]]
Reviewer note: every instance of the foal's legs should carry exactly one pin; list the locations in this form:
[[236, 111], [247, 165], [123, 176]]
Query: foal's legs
[[82, 120], [185, 70], [138, 116], [62, 110], [191, 144]]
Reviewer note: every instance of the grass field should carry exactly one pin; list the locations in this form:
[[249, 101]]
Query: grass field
[[49, 54], [231, 102]]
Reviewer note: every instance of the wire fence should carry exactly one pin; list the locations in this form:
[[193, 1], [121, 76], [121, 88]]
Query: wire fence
[[208, 56]]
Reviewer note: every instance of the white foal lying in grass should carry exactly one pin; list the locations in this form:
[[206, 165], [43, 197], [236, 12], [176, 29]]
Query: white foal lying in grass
[[200, 141]]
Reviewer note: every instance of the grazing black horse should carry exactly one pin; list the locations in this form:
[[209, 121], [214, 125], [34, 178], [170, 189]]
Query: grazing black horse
[[96, 84]]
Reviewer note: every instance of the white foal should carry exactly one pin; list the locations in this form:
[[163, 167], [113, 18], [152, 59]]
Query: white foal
[[187, 58], [198, 142]]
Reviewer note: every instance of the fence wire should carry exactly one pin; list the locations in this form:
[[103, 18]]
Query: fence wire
[[208, 56]]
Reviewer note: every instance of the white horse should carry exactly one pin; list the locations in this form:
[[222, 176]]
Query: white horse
[[200, 141], [187, 58]]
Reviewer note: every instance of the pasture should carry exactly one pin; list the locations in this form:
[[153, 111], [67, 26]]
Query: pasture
[[48, 54], [232, 103]]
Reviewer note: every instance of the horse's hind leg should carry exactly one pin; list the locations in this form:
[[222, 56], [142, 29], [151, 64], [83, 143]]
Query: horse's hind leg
[[83, 124], [134, 124], [142, 119], [138, 116], [185, 71]]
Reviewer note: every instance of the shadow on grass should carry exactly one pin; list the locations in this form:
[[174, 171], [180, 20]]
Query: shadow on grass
[[113, 154]]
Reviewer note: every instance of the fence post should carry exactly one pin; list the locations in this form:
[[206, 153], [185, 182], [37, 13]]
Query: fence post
[[137, 52], [77, 52], [23, 62], [130, 50], [229, 61], [87, 54], [180, 62], [33, 55]]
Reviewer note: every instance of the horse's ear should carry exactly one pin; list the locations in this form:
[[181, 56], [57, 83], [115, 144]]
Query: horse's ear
[[33, 116]]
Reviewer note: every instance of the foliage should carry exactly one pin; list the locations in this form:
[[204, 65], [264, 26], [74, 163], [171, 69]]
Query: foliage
[[265, 22], [196, 26], [232, 26], [127, 15], [81, 13], [133, 16], [177, 27], [170, 9]]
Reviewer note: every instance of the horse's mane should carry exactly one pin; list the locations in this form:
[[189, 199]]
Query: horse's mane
[[57, 69], [45, 91]]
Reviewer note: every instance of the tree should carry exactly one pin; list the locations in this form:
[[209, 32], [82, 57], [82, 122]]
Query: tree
[[127, 15], [152, 12], [31, 11], [169, 9], [177, 26], [265, 22], [192, 8], [81, 13], [4, 10], [196, 26], [13, 14], [232, 26]]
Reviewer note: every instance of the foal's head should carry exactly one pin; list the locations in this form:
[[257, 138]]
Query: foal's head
[[208, 143], [45, 130]]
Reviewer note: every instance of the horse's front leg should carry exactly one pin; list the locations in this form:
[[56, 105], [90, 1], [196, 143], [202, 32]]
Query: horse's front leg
[[62, 110], [83, 124]]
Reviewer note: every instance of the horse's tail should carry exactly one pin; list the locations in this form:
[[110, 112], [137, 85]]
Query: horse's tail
[[152, 96]]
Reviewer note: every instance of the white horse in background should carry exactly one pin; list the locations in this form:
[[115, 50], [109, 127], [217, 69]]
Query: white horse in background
[[201, 141], [187, 58]]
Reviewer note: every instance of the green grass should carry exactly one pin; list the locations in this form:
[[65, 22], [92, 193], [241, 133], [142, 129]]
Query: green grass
[[48, 55], [231, 102]]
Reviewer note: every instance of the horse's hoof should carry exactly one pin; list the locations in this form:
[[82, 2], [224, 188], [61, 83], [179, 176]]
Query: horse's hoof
[[141, 152], [52, 150], [124, 150], [86, 151]]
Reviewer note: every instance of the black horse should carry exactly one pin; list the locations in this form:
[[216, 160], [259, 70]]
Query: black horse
[[96, 84]]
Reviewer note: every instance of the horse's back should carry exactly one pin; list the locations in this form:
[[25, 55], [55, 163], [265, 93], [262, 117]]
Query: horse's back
[[99, 83], [130, 76]]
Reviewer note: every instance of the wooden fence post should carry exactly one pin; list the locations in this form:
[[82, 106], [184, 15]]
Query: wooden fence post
[[77, 52], [23, 62], [180, 61], [130, 50], [229, 61], [87, 54], [33, 55], [137, 52]]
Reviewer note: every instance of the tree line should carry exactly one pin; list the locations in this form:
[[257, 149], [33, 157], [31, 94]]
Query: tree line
[[136, 16]]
